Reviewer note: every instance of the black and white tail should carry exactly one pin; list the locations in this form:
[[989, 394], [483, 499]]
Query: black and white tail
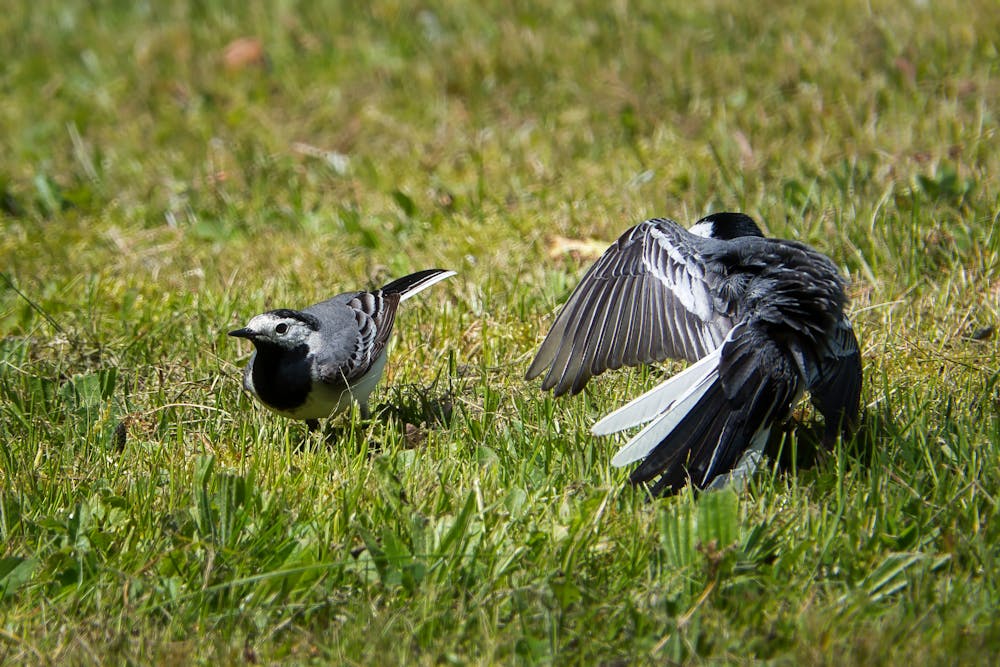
[[711, 419], [375, 314], [415, 283]]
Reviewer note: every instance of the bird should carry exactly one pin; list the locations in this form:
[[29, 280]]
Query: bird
[[763, 320], [313, 363]]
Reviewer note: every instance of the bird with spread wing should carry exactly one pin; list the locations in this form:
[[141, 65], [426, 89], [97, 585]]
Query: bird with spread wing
[[762, 319]]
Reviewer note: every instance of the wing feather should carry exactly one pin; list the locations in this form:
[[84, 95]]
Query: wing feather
[[374, 316], [644, 331], [649, 297], [568, 329], [606, 330], [837, 392]]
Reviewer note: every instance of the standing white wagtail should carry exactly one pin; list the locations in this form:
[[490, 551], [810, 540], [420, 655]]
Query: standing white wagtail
[[762, 318], [311, 363]]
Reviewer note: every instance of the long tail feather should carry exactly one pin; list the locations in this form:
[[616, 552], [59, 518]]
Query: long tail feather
[[658, 399], [722, 415], [746, 465], [651, 437], [415, 283]]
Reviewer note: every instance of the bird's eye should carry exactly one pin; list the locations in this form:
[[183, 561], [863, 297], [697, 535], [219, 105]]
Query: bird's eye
[[281, 328]]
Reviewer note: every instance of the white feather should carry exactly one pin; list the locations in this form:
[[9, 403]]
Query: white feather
[[658, 399], [648, 438], [417, 289], [703, 229]]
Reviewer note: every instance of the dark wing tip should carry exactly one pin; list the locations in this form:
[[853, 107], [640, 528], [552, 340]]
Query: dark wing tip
[[542, 360], [838, 395]]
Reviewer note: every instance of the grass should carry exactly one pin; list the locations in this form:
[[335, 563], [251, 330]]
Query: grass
[[154, 195]]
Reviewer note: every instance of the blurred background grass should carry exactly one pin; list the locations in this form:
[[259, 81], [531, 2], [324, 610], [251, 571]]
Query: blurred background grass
[[170, 169]]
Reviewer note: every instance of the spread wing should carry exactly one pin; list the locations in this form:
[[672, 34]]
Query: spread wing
[[652, 295]]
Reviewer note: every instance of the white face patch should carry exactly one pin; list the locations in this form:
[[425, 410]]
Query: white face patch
[[703, 229], [286, 332]]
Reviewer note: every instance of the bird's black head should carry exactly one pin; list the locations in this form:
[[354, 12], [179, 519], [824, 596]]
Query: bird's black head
[[726, 226]]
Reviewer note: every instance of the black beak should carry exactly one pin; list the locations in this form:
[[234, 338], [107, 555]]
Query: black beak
[[243, 333]]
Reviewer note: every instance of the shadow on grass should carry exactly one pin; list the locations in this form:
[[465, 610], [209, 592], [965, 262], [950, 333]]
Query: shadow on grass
[[809, 448], [423, 407], [416, 409]]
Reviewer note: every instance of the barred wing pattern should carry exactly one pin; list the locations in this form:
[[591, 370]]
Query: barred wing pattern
[[373, 314], [646, 299]]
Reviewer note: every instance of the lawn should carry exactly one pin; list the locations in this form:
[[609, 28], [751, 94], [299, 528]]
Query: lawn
[[171, 169]]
